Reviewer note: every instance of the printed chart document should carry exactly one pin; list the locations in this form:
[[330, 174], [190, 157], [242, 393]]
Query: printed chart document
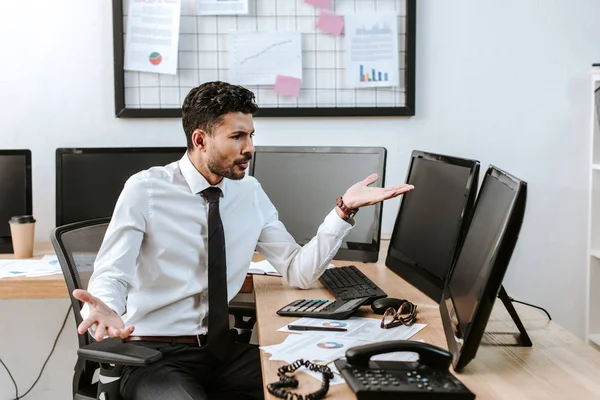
[[257, 58], [290, 341], [18, 267], [324, 347], [152, 37], [371, 50], [222, 7], [365, 329]]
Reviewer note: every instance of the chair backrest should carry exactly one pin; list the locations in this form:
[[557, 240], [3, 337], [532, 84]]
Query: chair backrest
[[76, 246]]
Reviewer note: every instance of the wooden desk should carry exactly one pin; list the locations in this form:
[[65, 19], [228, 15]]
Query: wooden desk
[[39, 287], [52, 286], [558, 366]]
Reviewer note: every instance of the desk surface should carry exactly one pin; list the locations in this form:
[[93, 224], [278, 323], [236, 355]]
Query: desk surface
[[52, 286], [39, 287], [558, 366]]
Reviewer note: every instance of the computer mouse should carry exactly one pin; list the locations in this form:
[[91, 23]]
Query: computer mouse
[[380, 305]]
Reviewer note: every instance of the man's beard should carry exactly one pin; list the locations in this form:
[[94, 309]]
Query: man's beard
[[215, 166]]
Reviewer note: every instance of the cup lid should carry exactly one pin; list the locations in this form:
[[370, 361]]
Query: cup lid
[[22, 219]]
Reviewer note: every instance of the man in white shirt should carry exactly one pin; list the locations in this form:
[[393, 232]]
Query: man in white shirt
[[154, 266]]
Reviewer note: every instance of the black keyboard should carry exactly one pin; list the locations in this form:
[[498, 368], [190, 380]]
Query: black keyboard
[[347, 283]]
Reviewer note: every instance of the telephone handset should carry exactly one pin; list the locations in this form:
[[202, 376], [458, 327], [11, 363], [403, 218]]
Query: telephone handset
[[428, 378]]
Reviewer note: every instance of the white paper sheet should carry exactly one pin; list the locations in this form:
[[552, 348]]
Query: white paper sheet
[[371, 50], [365, 329], [337, 377], [222, 7], [324, 348], [317, 346], [13, 268], [262, 268], [289, 341], [257, 58], [152, 38]]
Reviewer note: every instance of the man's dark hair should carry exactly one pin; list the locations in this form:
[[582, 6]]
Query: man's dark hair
[[205, 106]]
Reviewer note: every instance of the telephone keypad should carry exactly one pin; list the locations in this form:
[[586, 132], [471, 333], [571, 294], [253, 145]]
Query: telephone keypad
[[427, 379], [374, 379]]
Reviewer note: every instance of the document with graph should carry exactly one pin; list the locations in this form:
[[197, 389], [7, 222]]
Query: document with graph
[[371, 50], [152, 38], [222, 7], [257, 58]]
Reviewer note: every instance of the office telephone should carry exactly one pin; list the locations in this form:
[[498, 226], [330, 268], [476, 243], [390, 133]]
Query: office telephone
[[428, 378]]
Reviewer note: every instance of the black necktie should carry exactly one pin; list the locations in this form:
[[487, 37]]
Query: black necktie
[[217, 340]]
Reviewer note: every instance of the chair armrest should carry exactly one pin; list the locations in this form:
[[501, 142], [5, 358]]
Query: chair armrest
[[114, 351], [243, 309]]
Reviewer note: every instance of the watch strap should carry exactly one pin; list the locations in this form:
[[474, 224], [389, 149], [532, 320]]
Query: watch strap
[[348, 212]]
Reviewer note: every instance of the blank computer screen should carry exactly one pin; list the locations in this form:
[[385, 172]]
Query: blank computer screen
[[90, 183], [13, 189], [474, 263], [429, 220], [303, 186]]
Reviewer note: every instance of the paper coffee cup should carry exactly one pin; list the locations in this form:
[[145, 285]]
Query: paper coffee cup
[[22, 228]]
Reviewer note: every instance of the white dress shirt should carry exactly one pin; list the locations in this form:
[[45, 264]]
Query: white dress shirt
[[152, 265]]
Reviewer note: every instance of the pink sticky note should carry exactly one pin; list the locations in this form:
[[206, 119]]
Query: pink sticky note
[[330, 23], [287, 85], [319, 3]]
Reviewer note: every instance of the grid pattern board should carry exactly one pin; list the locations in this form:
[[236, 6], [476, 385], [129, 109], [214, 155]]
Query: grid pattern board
[[203, 56]]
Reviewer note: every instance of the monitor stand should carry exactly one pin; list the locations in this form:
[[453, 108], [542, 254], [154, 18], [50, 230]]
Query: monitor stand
[[523, 338]]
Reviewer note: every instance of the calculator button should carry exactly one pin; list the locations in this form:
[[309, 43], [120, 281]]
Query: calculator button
[[315, 305], [321, 307]]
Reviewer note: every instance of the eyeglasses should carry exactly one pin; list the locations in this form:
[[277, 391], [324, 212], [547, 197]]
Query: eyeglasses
[[405, 315]]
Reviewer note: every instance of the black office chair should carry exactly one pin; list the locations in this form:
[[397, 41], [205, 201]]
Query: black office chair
[[76, 246]]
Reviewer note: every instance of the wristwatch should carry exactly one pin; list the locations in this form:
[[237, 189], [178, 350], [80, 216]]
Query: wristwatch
[[348, 212]]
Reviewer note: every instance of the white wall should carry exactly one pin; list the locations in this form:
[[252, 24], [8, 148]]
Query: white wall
[[503, 81]]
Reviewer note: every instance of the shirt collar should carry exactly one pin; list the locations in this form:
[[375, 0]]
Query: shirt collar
[[196, 182]]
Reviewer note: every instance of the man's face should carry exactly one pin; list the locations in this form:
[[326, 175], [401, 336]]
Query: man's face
[[231, 146]]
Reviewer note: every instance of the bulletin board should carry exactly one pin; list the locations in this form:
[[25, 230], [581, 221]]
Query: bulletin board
[[202, 57]]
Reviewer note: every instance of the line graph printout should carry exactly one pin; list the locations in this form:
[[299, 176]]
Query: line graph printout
[[222, 7], [372, 50], [257, 58]]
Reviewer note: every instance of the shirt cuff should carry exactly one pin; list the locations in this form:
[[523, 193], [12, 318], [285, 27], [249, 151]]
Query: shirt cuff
[[337, 225]]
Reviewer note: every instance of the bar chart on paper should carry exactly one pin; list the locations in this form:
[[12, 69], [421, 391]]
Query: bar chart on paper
[[372, 75], [372, 51]]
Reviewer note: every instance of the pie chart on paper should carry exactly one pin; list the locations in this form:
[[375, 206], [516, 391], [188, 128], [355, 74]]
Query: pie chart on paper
[[329, 345], [334, 324], [155, 58]]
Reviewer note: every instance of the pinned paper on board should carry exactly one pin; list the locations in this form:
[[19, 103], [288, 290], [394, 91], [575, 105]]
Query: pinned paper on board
[[152, 39], [372, 50], [222, 7], [288, 85], [319, 3], [256, 58], [330, 23]]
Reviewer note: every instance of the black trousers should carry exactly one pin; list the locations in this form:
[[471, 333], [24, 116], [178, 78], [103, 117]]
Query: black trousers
[[192, 373]]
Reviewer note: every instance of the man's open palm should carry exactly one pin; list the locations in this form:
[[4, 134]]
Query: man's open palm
[[361, 194], [106, 320]]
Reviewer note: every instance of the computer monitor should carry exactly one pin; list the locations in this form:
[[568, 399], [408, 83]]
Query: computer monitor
[[432, 219], [90, 180], [304, 182], [15, 191], [476, 278]]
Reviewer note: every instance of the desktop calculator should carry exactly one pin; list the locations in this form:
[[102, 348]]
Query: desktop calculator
[[338, 309]]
